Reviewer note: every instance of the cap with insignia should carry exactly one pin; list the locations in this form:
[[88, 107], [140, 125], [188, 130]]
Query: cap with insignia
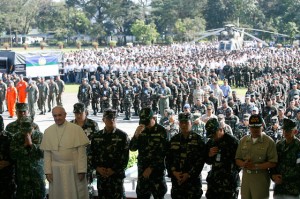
[[145, 115], [51, 77], [184, 117], [289, 124], [110, 113], [21, 106], [247, 96], [93, 77], [255, 121], [78, 108], [211, 126], [84, 79], [233, 92], [25, 124]]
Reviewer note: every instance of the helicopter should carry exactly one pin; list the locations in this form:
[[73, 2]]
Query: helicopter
[[232, 37]]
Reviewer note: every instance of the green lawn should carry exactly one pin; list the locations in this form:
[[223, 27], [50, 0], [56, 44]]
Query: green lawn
[[71, 88]]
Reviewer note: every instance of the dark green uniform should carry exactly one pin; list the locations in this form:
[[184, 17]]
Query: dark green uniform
[[186, 155], [29, 161], [128, 96], [151, 145], [7, 183], [223, 179], [110, 150], [289, 167]]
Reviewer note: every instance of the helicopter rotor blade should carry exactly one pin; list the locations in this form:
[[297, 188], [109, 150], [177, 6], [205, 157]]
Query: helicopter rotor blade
[[209, 34], [267, 32], [255, 38]]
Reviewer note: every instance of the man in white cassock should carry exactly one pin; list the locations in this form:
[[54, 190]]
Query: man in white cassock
[[64, 146]]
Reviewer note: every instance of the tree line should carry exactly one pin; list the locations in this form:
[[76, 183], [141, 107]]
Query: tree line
[[148, 20]]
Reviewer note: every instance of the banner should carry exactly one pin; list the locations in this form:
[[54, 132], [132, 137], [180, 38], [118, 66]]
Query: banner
[[42, 66]]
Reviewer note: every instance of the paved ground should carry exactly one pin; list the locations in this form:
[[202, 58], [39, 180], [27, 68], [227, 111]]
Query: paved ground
[[128, 126]]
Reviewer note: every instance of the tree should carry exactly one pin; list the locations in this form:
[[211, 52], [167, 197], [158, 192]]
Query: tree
[[188, 29], [144, 33]]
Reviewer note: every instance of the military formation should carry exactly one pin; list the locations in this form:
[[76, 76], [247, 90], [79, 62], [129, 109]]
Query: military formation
[[39, 94], [202, 121]]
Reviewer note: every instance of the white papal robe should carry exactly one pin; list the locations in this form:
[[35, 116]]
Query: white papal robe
[[65, 157]]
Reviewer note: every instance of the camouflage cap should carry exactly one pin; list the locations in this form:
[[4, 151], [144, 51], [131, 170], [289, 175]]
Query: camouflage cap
[[184, 117], [255, 121], [289, 124], [211, 126], [145, 115], [26, 124], [21, 106], [79, 108], [110, 113]]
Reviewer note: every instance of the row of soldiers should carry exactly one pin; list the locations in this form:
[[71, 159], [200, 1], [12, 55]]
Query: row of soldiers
[[14, 88]]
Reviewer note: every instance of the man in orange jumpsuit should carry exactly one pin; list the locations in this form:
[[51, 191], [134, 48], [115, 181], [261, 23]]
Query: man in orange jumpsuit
[[21, 87], [11, 99]]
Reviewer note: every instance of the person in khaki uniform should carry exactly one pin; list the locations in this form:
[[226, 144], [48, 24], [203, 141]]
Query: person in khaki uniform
[[256, 154]]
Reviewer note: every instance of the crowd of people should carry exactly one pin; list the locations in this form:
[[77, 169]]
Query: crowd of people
[[201, 122]]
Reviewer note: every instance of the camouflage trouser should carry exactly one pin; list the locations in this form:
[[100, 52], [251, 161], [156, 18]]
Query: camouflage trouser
[[127, 108], [7, 190], [214, 193], [110, 188], [34, 189], [156, 186], [191, 189], [116, 104], [95, 104]]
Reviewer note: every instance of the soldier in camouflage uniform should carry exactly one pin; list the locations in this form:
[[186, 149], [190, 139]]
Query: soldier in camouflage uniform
[[286, 174], [146, 95], [90, 128], [21, 111], [185, 160], [274, 130], [53, 92], [128, 95], [243, 128], [7, 183], [3, 88], [169, 123], [32, 96], [95, 85], [117, 94], [84, 92], [198, 126], [110, 154], [136, 102], [181, 91], [105, 96], [231, 119], [43, 94], [61, 88], [223, 178], [26, 152], [150, 139], [246, 107]]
